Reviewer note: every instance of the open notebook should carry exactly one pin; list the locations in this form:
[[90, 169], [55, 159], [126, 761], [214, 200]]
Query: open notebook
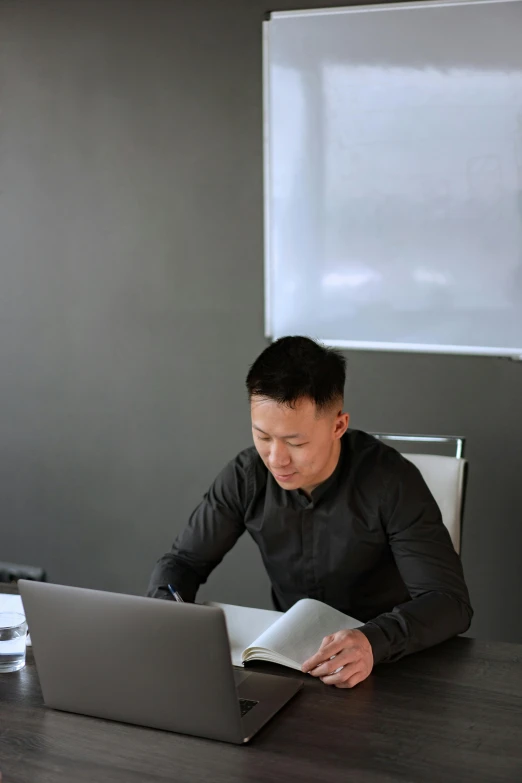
[[287, 638]]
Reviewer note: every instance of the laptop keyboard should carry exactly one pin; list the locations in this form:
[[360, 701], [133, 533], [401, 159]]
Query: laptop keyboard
[[246, 705]]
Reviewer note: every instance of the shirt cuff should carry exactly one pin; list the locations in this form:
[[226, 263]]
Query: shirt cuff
[[379, 643]]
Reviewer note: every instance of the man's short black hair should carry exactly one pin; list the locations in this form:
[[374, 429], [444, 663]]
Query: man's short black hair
[[293, 368]]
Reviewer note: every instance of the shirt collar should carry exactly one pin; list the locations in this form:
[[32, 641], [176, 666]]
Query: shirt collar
[[331, 481]]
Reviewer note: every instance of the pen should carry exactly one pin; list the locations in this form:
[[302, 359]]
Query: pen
[[175, 594]]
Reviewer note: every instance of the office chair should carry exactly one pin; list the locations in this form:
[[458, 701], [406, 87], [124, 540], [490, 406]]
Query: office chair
[[445, 477]]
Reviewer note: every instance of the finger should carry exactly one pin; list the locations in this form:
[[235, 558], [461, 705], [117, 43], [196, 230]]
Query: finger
[[345, 656], [326, 640], [315, 671], [342, 676], [311, 663], [324, 654], [322, 669], [326, 667], [309, 666], [319, 657], [352, 681]]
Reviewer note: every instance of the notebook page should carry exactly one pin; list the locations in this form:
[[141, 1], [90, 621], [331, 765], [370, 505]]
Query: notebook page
[[244, 625], [299, 632]]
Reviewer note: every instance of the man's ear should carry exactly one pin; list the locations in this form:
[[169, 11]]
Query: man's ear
[[341, 424]]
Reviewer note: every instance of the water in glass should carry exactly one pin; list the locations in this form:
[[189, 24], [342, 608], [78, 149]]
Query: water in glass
[[13, 632]]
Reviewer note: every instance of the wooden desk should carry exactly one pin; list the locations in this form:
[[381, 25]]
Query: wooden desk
[[451, 714]]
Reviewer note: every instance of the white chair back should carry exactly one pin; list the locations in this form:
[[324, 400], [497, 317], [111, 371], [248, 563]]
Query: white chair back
[[445, 479]]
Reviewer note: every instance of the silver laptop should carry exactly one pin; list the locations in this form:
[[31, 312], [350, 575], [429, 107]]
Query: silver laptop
[[151, 662]]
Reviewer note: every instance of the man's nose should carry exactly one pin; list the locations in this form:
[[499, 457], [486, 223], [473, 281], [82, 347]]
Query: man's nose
[[279, 456]]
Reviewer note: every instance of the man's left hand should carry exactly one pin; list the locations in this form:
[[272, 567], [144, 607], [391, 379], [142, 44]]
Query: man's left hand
[[344, 659]]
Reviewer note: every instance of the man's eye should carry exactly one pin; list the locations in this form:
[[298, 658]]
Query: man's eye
[[260, 438], [297, 445]]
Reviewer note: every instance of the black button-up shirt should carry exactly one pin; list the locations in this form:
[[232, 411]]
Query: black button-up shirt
[[370, 542]]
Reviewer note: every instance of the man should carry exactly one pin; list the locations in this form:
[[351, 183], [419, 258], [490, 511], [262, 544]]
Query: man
[[338, 516]]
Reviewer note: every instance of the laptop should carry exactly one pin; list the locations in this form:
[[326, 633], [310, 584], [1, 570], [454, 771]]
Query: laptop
[[155, 663]]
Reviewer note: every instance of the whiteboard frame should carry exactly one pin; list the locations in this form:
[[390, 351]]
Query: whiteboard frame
[[358, 9], [362, 345], [267, 254]]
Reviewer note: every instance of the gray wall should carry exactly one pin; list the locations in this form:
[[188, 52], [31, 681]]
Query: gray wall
[[131, 303]]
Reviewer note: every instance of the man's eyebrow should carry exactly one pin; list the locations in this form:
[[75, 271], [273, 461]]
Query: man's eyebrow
[[286, 437]]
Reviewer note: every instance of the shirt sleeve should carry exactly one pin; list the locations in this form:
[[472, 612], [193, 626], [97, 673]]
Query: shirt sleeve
[[429, 566], [213, 529]]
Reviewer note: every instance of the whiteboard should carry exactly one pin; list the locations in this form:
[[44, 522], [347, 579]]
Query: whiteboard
[[393, 176]]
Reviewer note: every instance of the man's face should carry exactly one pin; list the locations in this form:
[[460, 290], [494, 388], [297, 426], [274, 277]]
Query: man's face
[[299, 447]]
